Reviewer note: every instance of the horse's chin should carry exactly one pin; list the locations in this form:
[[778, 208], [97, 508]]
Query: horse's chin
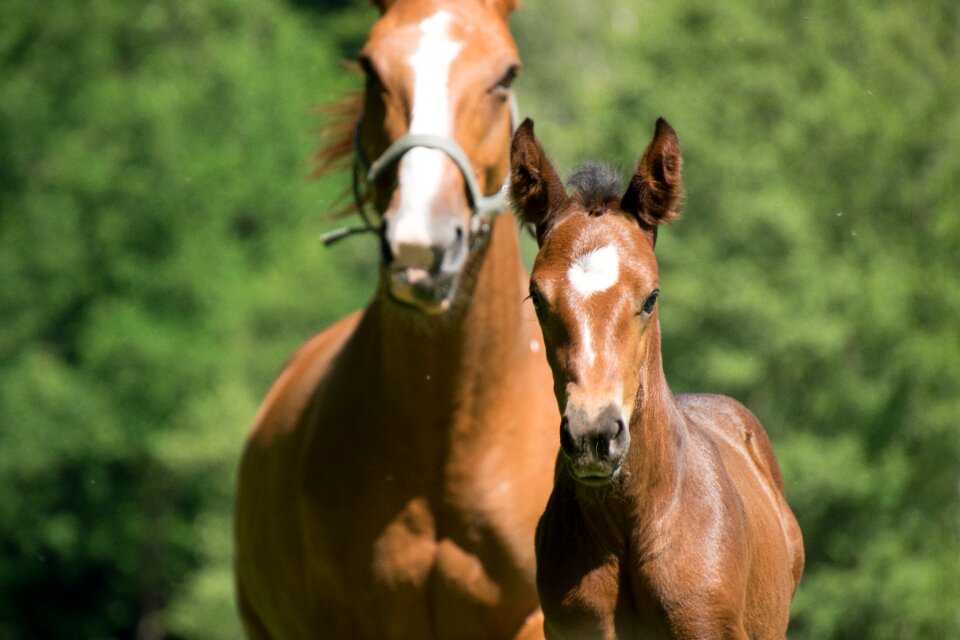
[[428, 307], [430, 294], [594, 473]]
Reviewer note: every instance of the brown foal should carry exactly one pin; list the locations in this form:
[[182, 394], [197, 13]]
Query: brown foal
[[667, 517]]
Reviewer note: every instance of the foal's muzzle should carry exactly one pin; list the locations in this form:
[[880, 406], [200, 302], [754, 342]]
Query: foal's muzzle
[[595, 446]]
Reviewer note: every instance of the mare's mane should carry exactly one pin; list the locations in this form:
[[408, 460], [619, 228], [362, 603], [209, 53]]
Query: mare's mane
[[335, 154], [336, 132], [597, 186]]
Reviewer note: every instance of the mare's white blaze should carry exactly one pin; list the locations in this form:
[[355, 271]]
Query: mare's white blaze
[[420, 170], [595, 271]]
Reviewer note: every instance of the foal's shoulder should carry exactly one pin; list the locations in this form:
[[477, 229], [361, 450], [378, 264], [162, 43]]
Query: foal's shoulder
[[713, 409], [727, 422]]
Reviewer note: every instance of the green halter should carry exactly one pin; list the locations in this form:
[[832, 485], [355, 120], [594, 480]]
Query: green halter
[[483, 207]]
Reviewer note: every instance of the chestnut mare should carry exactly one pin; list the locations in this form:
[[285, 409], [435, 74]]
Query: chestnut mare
[[667, 517], [395, 473]]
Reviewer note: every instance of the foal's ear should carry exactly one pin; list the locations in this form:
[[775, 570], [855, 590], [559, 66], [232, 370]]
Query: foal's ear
[[536, 190], [656, 189]]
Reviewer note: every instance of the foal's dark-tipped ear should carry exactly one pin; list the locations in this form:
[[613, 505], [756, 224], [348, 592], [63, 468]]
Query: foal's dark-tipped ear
[[656, 189], [535, 188]]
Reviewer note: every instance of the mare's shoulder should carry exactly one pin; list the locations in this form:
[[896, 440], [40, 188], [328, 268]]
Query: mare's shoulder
[[299, 376], [323, 346]]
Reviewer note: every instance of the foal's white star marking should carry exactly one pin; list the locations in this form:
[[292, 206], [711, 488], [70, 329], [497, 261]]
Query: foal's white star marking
[[595, 271]]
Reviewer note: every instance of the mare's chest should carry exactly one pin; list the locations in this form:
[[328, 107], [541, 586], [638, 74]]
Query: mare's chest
[[409, 558], [403, 527]]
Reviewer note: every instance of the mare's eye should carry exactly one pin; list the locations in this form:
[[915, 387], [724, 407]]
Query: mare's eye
[[506, 81], [651, 302], [368, 70]]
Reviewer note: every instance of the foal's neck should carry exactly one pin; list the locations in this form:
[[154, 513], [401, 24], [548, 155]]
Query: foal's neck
[[656, 432], [633, 511], [651, 475]]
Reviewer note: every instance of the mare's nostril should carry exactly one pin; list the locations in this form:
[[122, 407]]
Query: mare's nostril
[[415, 256], [439, 254], [456, 250]]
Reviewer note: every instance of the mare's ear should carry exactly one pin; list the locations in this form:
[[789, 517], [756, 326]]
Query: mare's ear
[[536, 190], [383, 5], [503, 7], [656, 189]]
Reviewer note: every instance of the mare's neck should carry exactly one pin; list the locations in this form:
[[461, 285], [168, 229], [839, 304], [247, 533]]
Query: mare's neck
[[441, 361]]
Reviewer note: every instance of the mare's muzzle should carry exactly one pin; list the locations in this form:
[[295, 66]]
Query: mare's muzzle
[[425, 246], [594, 445], [425, 274]]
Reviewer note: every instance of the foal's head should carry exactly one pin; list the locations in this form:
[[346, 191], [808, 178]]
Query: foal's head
[[440, 68], [595, 285]]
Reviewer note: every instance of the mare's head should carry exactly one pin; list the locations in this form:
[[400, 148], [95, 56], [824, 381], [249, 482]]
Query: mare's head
[[594, 285], [435, 69]]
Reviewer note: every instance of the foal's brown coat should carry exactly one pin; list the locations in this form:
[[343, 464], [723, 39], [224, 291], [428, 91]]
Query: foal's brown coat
[[688, 534]]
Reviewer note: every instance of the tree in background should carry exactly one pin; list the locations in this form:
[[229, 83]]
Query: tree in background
[[159, 261]]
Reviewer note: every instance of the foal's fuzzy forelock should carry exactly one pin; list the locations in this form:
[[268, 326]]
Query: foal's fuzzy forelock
[[596, 185]]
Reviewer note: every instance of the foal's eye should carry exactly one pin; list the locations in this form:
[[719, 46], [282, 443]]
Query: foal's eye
[[537, 301], [651, 302]]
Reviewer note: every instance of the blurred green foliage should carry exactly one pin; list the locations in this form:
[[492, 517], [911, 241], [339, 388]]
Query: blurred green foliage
[[159, 261]]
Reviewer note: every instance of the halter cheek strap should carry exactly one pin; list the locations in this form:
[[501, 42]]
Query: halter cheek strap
[[483, 207]]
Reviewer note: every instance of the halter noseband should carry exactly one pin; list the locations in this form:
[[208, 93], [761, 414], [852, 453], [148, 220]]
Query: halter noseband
[[365, 173]]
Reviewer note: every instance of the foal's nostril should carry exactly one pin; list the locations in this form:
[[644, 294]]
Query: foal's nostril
[[567, 442], [618, 438], [618, 428]]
